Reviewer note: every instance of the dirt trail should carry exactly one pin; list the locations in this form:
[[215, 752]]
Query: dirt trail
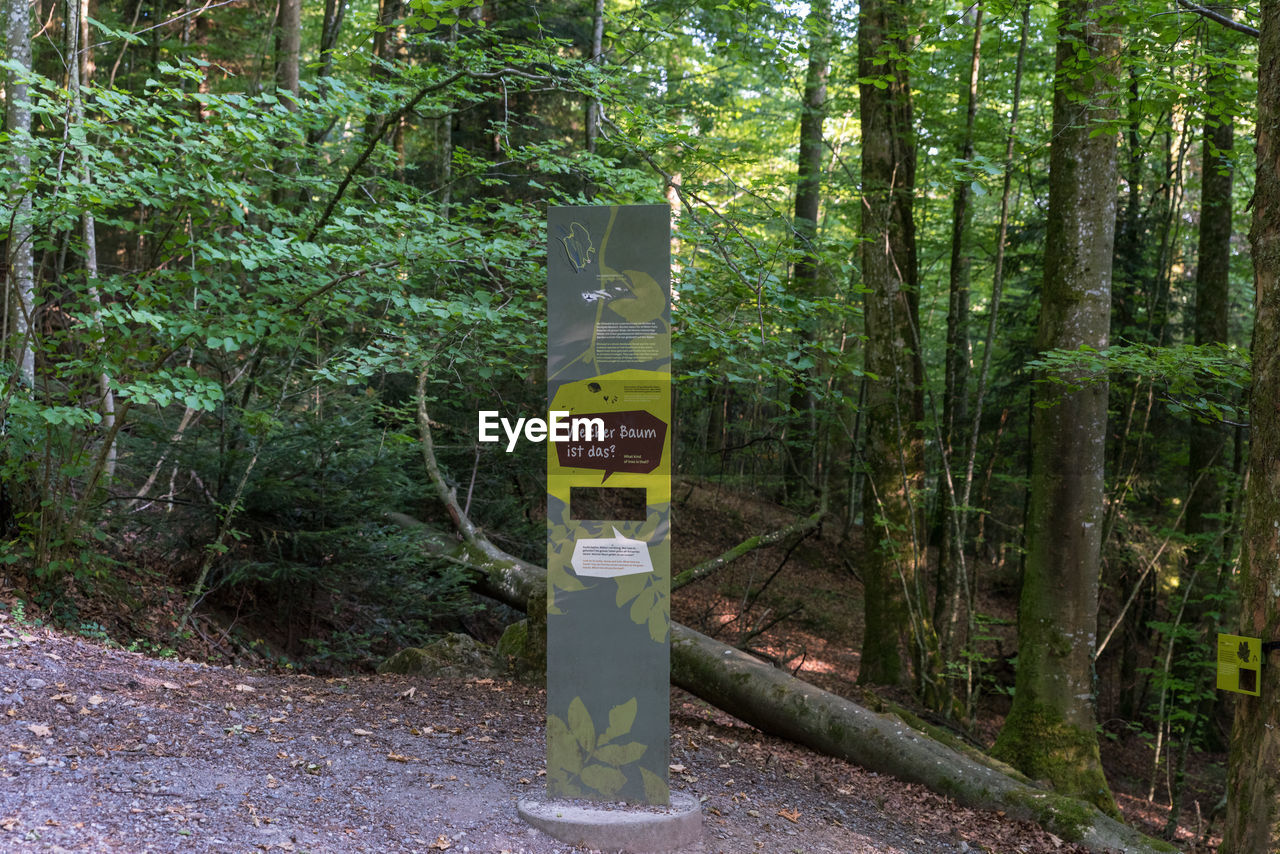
[[107, 750]]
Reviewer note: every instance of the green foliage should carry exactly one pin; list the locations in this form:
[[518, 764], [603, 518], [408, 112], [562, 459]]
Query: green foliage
[[1205, 382]]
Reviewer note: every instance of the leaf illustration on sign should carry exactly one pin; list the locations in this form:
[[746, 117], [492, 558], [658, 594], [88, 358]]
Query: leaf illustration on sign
[[1243, 652], [645, 301], [578, 247], [656, 790], [577, 759], [560, 532], [648, 604]]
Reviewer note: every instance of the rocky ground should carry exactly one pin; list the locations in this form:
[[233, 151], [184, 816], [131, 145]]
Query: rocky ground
[[107, 750]]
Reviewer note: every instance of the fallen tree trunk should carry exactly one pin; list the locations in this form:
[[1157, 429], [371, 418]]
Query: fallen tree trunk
[[783, 705], [702, 570]]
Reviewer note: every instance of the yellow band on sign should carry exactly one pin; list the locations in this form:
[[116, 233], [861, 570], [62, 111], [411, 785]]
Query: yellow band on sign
[[1240, 664]]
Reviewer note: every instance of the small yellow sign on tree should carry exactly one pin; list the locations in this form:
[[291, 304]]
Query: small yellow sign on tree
[[1239, 664]]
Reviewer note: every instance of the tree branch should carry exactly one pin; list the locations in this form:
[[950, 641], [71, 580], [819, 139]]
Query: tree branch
[[392, 119], [707, 567], [1219, 18]]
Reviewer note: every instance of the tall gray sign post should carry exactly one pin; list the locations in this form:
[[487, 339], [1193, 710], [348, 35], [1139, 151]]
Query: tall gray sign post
[[609, 503]]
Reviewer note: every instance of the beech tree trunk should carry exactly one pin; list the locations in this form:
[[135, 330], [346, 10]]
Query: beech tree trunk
[[19, 294], [1051, 730], [893, 454], [596, 51], [1253, 796], [288, 47]]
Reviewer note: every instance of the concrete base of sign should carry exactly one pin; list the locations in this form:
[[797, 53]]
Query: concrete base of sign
[[635, 830]]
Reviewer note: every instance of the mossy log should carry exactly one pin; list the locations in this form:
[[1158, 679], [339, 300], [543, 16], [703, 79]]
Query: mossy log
[[702, 570], [780, 704]]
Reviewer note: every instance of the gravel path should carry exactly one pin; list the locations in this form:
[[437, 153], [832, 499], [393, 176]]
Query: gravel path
[[107, 750]]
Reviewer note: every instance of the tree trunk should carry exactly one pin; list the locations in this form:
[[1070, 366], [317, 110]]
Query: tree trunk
[[804, 447], [1253, 797], [330, 29], [386, 49], [597, 56], [1051, 730], [78, 63], [778, 703], [1207, 442], [950, 582], [288, 47], [894, 447], [993, 316], [20, 266]]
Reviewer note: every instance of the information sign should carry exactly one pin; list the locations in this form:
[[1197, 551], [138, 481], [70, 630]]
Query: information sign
[[1239, 664], [608, 554]]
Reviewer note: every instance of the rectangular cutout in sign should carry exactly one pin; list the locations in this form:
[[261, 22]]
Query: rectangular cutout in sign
[[623, 504]]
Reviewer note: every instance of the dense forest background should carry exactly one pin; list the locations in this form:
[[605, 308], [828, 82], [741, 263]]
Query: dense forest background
[[969, 285]]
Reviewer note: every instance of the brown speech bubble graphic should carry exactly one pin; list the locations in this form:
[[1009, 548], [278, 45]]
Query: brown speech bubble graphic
[[632, 443]]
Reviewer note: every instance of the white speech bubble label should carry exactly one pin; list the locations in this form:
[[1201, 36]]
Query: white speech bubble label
[[611, 557]]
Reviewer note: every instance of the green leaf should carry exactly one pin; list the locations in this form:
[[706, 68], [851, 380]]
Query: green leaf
[[562, 749], [629, 587], [620, 754], [621, 719], [580, 725], [605, 780], [644, 603], [659, 624], [656, 790], [561, 783]]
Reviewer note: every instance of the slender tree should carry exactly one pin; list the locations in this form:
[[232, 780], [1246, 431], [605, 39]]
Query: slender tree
[[78, 65], [803, 440], [893, 452], [947, 603], [288, 49], [1253, 798], [596, 50], [20, 267], [1051, 730], [1207, 443]]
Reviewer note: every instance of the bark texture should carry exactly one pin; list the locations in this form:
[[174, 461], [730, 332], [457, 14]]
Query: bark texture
[[596, 52], [893, 452], [1051, 730], [1253, 773]]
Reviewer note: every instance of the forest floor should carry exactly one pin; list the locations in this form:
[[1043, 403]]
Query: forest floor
[[103, 749]]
